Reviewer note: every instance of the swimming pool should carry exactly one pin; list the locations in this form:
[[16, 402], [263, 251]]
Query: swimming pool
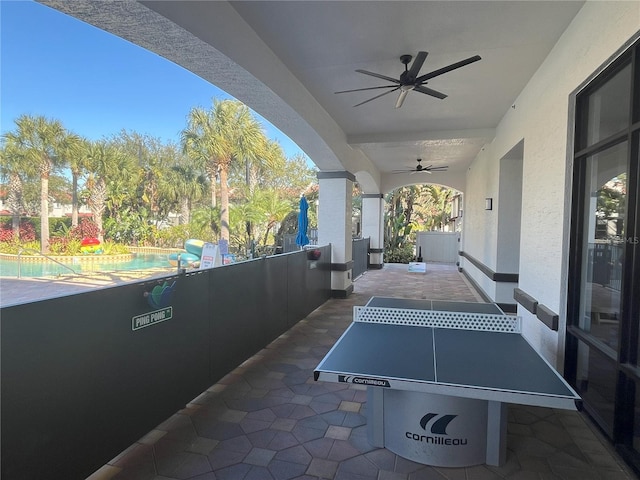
[[140, 261]]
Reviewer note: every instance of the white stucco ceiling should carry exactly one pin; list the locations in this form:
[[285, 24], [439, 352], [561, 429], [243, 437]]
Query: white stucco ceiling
[[286, 59]]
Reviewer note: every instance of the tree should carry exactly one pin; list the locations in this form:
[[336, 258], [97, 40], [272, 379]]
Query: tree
[[275, 209], [399, 215], [269, 154], [219, 137], [12, 167], [242, 214], [39, 140], [206, 220], [104, 161], [185, 185], [292, 176], [437, 203], [73, 154], [264, 209], [150, 160]]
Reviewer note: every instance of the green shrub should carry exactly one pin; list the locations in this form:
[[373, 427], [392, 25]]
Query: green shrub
[[12, 248], [403, 254], [59, 226], [175, 236], [9, 247], [64, 246], [111, 248]]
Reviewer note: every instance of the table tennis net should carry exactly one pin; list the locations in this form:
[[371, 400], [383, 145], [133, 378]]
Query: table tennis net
[[438, 319]]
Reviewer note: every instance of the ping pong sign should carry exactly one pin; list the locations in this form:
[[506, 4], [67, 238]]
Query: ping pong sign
[[151, 318]]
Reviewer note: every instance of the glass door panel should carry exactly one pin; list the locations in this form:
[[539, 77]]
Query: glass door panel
[[596, 383], [603, 235], [608, 108]]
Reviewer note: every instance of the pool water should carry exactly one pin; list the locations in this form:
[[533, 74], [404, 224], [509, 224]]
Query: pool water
[[9, 268]]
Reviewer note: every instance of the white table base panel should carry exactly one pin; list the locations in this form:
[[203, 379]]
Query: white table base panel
[[437, 430]]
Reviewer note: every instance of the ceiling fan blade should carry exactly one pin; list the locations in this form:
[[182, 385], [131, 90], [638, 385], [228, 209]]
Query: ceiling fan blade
[[401, 97], [451, 67], [430, 91], [377, 75], [420, 171], [377, 96], [417, 64], [438, 169], [362, 89]]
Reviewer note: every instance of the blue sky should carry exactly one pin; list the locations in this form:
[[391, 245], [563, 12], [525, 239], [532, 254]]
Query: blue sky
[[95, 83]]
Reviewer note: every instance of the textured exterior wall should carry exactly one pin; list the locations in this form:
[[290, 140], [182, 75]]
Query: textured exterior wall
[[542, 118]]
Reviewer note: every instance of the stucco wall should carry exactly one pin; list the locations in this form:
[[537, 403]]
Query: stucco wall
[[540, 116]]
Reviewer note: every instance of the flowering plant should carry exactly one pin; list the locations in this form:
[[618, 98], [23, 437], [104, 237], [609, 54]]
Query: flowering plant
[[314, 254]]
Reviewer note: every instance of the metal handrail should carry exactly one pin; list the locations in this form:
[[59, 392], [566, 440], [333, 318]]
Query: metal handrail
[[20, 250]]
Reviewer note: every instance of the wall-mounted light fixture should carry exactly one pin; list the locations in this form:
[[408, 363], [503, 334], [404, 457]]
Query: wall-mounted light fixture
[[488, 203]]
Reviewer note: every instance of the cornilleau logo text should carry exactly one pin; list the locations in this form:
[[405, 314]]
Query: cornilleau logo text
[[438, 427], [373, 382]]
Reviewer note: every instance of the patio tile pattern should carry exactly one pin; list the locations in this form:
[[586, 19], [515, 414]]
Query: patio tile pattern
[[269, 420]]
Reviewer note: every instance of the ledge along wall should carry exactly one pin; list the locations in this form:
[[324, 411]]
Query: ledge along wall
[[80, 384]]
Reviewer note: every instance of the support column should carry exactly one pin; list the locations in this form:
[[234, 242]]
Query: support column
[[334, 227], [373, 227]]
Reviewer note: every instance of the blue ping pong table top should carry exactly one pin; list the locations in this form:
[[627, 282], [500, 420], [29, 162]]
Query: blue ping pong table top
[[475, 364]]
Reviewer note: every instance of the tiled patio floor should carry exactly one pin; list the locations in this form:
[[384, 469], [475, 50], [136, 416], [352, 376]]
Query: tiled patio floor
[[268, 419]]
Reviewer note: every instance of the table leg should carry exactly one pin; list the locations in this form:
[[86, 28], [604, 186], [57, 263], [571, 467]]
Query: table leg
[[496, 433], [375, 416]]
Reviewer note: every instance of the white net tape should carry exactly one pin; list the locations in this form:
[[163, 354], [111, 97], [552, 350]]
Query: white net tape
[[438, 319]]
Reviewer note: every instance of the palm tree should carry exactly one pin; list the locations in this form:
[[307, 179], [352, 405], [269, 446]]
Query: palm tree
[[207, 220], [438, 203], [241, 214], [13, 167], [268, 154], [219, 137], [73, 153], [275, 209], [399, 216], [185, 184], [104, 159], [40, 139]]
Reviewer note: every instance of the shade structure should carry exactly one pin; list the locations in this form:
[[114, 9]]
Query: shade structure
[[303, 223]]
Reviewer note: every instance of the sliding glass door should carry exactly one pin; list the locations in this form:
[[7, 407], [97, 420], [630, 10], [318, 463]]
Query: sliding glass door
[[604, 291]]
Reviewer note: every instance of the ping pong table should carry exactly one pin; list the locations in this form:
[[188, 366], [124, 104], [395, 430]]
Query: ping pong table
[[439, 376]]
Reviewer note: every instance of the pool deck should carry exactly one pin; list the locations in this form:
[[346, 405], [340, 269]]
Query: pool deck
[[14, 290]]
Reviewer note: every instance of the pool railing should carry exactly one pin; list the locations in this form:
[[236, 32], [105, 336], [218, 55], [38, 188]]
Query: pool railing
[[44, 255]]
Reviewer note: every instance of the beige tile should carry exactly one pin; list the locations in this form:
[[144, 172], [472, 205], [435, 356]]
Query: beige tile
[[338, 433], [350, 406], [234, 416]]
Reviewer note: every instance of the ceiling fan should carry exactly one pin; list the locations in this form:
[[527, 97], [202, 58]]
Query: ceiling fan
[[422, 169], [409, 79]]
